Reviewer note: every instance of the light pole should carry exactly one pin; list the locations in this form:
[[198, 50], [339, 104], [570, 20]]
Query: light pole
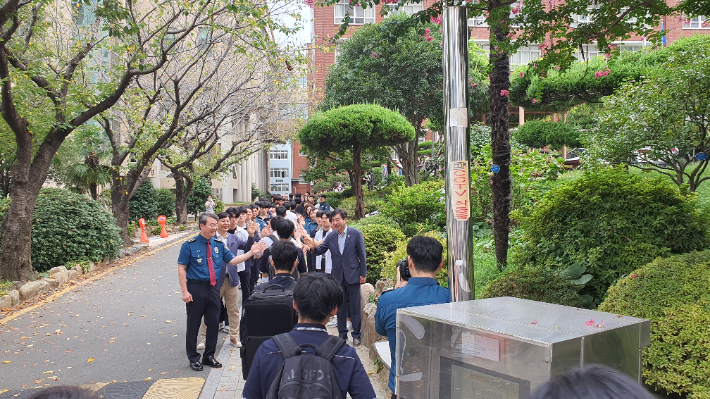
[[458, 156]]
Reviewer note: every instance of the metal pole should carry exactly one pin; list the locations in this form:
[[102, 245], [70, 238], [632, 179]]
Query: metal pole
[[458, 156]]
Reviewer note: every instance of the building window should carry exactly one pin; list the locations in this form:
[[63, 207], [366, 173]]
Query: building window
[[278, 154], [302, 82], [283, 187], [358, 15], [278, 172], [408, 9], [700, 22], [630, 47], [590, 51], [525, 54], [288, 111]]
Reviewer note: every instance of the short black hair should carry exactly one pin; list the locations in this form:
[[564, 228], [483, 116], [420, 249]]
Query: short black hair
[[284, 228], [298, 195], [223, 215], [240, 210], [292, 205], [232, 211], [316, 295], [321, 213], [253, 207], [425, 252], [284, 253], [340, 212], [281, 211], [323, 196], [263, 204], [591, 382], [63, 392]]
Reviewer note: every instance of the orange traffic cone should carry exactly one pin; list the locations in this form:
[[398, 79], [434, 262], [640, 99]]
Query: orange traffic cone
[[144, 237], [162, 219]]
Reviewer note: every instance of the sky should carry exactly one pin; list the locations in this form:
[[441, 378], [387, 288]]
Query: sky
[[304, 36]]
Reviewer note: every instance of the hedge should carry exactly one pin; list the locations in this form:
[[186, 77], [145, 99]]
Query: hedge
[[538, 134], [379, 240], [536, 284], [674, 294]]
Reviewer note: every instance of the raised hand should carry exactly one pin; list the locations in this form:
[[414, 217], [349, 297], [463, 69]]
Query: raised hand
[[300, 218], [266, 231], [251, 229], [258, 247]]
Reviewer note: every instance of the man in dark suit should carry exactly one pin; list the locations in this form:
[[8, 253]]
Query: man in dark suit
[[349, 267]]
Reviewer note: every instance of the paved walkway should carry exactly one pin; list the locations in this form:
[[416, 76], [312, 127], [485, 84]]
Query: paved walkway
[[119, 331]]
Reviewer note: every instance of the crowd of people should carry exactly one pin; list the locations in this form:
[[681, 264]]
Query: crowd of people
[[299, 267]]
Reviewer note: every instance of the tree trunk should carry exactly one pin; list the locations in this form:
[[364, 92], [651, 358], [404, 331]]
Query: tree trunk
[[16, 255], [119, 205], [407, 154], [357, 183], [501, 182], [183, 188]]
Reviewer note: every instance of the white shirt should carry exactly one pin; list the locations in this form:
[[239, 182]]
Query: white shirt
[[243, 235], [292, 217], [328, 261]]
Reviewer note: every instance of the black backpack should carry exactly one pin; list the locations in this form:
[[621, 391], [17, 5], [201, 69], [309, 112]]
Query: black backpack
[[304, 376], [268, 312]]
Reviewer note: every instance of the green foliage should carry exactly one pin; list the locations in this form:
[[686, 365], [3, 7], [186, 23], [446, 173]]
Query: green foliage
[[379, 240], [200, 191], [144, 203], [531, 171], [605, 224], [132, 226], [68, 226], [375, 219], [165, 199], [538, 134], [156, 230], [218, 205], [673, 293], [536, 284], [256, 193], [559, 91], [667, 115], [389, 267], [5, 287], [420, 204], [584, 116]]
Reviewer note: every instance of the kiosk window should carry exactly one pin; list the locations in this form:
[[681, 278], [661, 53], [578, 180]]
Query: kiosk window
[[461, 380]]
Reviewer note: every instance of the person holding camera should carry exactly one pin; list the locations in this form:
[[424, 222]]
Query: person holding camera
[[416, 286]]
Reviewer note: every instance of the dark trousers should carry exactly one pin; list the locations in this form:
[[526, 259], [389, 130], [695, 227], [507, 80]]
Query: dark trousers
[[254, 277], [205, 303], [349, 308], [223, 317], [245, 281]]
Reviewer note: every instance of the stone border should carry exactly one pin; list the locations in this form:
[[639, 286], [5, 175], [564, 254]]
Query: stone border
[[60, 275]]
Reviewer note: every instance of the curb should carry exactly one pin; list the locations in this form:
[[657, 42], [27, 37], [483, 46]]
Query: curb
[[45, 295]]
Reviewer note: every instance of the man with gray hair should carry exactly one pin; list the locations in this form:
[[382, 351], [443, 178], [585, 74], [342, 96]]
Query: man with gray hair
[[200, 274]]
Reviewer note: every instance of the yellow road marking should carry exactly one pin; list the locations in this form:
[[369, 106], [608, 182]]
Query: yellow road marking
[[86, 281]]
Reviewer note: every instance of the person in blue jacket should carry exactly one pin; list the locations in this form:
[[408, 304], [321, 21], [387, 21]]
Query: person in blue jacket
[[424, 259], [316, 297]]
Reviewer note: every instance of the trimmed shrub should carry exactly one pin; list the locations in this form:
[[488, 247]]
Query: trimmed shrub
[[379, 240], [536, 284], [538, 134], [218, 205], [165, 199], [606, 224], [420, 204], [144, 203], [674, 294], [68, 227], [375, 219], [677, 359]]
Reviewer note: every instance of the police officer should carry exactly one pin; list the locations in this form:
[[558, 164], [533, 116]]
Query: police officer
[[200, 273]]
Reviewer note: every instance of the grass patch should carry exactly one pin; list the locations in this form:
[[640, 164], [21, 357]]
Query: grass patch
[[5, 287], [484, 263]]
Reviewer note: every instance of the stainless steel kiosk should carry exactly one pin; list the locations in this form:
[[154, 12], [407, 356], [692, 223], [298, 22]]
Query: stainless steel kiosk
[[504, 348]]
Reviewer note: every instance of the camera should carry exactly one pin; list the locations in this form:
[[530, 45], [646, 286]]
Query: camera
[[403, 266]]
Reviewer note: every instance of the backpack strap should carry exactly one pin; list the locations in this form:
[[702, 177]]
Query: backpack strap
[[289, 347], [330, 347]]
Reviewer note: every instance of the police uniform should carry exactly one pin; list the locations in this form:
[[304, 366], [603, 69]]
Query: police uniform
[[205, 297]]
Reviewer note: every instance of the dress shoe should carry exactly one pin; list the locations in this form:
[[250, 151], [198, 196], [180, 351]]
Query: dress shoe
[[356, 342], [212, 362], [197, 366]]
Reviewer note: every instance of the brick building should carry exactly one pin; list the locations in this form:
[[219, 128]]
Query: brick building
[[325, 22]]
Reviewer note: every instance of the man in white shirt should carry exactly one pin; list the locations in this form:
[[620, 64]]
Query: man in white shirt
[[323, 262]]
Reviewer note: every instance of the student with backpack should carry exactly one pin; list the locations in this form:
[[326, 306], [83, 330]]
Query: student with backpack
[[307, 362]]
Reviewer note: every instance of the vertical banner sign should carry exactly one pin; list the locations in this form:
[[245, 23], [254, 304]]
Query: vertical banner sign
[[459, 231], [460, 189]]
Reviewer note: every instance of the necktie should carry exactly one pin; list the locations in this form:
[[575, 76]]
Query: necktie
[[322, 263], [210, 265]]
